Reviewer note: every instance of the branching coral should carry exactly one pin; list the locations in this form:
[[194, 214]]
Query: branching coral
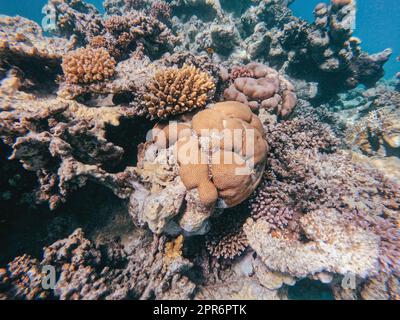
[[75, 18], [226, 239], [134, 31], [263, 89], [174, 91], [273, 203], [22, 280], [87, 65]]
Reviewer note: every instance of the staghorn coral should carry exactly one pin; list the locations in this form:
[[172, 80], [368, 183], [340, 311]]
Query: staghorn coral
[[198, 157], [86, 65], [174, 91], [265, 89]]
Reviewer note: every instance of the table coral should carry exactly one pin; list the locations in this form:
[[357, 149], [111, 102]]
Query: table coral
[[27, 52], [60, 140]]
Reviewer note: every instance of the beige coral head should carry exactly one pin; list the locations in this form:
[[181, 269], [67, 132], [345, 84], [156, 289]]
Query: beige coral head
[[223, 156]]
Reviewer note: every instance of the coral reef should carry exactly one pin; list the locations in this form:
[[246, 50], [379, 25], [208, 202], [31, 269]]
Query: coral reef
[[325, 51], [220, 150]]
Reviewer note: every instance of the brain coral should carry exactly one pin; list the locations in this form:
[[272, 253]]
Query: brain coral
[[209, 160], [87, 65], [264, 89], [173, 91]]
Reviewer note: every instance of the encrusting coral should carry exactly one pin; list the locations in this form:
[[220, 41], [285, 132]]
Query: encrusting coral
[[178, 90], [87, 65]]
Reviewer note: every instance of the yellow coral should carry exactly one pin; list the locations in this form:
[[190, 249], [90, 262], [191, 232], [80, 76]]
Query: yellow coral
[[86, 65], [175, 91], [173, 249]]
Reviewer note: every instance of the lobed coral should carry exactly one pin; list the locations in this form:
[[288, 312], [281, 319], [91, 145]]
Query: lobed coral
[[87, 65], [211, 166], [264, 89], [174, 91]]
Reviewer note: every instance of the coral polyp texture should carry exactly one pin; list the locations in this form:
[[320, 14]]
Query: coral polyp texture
[[196, 149], [174, 91], [87, 65]]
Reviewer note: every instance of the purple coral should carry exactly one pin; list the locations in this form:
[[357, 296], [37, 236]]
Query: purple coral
[[272, 202]]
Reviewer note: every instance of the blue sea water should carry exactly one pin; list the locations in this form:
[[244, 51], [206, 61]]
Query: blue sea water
[[377, 22]]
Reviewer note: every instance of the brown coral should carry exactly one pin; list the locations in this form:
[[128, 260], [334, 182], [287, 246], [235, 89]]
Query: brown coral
[[228, 246], [86, 65], [265, 89], [174, 91], [212, 167]]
